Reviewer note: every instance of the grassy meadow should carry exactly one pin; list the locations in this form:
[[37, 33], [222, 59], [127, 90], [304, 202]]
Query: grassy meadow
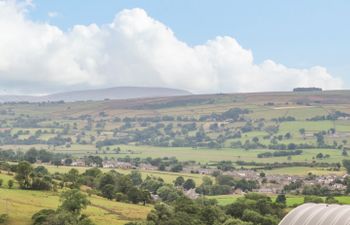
[[292, 200], [68, 120], [195, 131], [20, 205]]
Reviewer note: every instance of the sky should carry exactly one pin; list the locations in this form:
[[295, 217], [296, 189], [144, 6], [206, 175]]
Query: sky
[[199, 45]]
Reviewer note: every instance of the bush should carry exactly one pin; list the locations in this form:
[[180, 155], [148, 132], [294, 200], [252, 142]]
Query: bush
[[189, 184], [3, 218], [331, 200], [10, 184], [313, 199], [120, 197]]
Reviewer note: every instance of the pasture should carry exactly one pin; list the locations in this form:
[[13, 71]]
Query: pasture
[[292, 200], [20, 205], [78, 128]]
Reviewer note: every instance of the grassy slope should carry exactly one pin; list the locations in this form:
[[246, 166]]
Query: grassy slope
[[284, 105], [20, 205]]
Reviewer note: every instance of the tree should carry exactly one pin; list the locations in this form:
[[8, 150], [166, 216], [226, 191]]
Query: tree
[[320, 139], [225, 165], [68, 213], [31, 155], [73, 178], [179, 181], [189, 184], [134, 195], [44, 183], [136, 177], [23, 176], [319, 156], [40, 171], [331, 200], [68, 161], [3, 218], [1, 181], [281, 198], [40, 217], [288, 136], [168, 193], [225, 180], [94, 161], [59, 217], [313, 199], [10, 184], [347, 182], [73, 201], [176, 168], [108, 191], [123, 183], [207, 181], [152, 184], [105, 179], [346, 164]]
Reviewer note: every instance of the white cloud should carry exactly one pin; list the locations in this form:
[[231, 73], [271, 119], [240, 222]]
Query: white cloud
[[52, 14], [134, 49]]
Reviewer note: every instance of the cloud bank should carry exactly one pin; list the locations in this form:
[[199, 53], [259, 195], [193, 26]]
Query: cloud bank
[[133, 50]]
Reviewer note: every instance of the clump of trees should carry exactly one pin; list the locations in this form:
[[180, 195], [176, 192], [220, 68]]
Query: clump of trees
[[249, 210], [69, 212], [225, 184], [33, 155], [279, 154], [4, 218], [30, 178], [113, 185]]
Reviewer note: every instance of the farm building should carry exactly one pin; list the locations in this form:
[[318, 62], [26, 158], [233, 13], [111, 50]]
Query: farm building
[[320, 214]]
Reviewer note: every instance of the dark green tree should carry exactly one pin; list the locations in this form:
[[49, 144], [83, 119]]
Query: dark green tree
[[73, 201], [24, 175], [189, 184], [108, 191], [346, 164], [179, 181]]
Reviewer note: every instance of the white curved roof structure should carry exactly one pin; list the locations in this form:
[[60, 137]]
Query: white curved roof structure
[[318, 214]]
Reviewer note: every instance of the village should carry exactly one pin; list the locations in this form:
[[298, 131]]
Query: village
[[267, 184]]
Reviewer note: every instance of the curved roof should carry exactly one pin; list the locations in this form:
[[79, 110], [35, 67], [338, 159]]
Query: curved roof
[[318, 214]]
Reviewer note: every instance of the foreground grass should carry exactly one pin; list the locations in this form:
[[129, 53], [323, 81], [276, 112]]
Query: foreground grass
[[20, 205]]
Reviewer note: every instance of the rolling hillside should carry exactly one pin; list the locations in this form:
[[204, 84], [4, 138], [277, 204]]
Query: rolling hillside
[[99, 94]]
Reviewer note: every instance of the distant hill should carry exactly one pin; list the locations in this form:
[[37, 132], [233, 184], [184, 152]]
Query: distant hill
[[303, 89], [99, 94]]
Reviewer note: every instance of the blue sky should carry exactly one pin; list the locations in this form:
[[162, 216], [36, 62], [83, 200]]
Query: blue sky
[[296, 33]]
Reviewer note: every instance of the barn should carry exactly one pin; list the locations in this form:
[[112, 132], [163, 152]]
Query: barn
[[318, 214]]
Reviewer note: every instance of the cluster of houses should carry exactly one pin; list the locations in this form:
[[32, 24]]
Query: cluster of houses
[[113, 164], [269, 184]]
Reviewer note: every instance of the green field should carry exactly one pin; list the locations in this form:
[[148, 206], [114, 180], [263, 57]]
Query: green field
[[20, 205], [199, 131], [87, 123], [292, 200]]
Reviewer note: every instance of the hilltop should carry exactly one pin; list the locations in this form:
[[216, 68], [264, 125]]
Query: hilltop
[[99, 94]]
